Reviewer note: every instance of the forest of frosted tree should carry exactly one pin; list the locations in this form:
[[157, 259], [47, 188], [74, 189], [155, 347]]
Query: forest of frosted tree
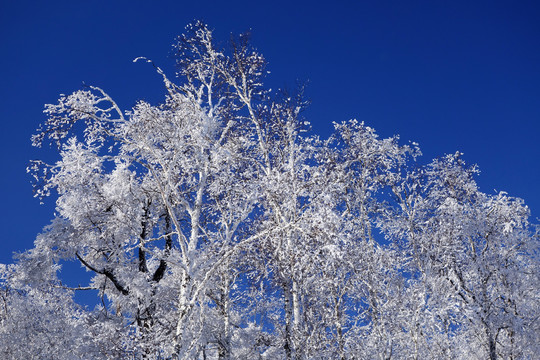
[[216, 225]]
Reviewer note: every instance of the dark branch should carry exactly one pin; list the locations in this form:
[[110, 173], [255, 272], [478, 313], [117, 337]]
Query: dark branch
[[108, 273], [160, 271], [144, 232]]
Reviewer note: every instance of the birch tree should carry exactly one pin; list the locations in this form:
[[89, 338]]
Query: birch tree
[[474, 262], [214, 225]]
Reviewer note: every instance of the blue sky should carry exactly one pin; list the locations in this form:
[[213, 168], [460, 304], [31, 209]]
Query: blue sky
[[460, 75]]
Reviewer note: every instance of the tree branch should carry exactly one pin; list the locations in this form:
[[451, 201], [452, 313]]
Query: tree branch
[[108, 273]]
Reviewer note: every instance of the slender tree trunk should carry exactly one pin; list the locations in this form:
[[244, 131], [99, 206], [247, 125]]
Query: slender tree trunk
[[296, 308], [289, 346], [339, 328], [492, 345], [225, 345], [183, 309]]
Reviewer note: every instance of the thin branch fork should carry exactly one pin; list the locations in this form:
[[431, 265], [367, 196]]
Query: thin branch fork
[[108, 273]]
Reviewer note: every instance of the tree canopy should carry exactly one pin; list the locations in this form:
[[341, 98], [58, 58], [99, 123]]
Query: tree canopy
[[216, 225]]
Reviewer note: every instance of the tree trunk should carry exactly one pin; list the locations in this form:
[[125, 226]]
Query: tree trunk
[[289, 346]]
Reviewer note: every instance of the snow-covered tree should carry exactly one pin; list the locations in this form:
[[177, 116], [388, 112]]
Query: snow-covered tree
[[472, 260], [215, 226]]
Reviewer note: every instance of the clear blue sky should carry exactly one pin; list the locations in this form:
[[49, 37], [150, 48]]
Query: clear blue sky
[[450, 75]]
